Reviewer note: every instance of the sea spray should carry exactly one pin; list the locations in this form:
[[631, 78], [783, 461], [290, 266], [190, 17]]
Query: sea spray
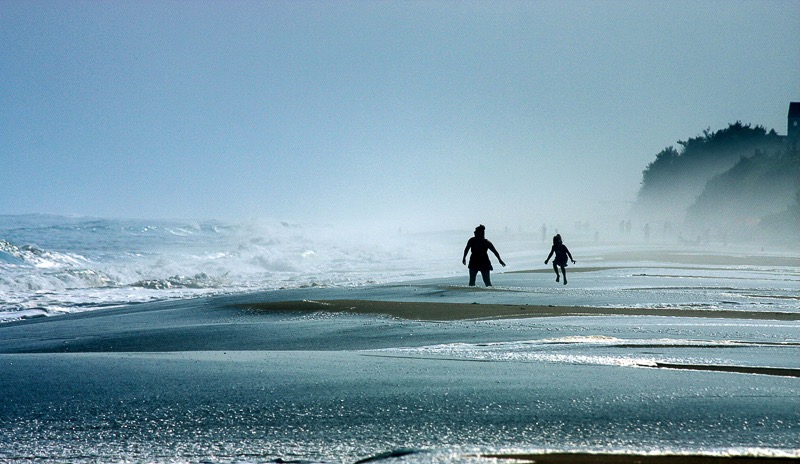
[[51, 264]]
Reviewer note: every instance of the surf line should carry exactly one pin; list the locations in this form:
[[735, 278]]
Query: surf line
[[775, 371], [595, 458]]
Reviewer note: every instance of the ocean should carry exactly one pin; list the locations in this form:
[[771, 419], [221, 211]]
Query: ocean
[[169, 341], [54, 265]]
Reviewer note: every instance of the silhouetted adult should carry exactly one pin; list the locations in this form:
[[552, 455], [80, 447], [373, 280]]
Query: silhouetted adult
[[562, 252], [479, 259]]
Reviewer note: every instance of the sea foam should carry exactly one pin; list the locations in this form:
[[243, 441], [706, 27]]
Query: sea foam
[[51, 265]]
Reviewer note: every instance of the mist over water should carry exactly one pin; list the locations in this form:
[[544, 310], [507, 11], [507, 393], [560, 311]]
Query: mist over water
[[738, 184], [52, 264]]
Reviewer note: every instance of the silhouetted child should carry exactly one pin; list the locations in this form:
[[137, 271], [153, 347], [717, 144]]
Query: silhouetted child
[[562, 252], [479, 259]]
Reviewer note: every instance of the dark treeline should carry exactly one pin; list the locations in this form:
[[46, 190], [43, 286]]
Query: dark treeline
[[739, 182]]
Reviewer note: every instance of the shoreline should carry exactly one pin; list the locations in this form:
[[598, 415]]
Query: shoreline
[[589, 458], [440, 311]]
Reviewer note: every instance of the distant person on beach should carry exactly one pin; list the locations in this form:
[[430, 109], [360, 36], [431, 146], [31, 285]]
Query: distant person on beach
[[562, 252], [479, 259]]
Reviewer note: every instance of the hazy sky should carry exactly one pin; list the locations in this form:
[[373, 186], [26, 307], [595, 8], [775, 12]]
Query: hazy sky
[[419, 113]]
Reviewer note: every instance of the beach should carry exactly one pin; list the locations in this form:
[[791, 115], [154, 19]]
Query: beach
[[421, 371], [400, 232]]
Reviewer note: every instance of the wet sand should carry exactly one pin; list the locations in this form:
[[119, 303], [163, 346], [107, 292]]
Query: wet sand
[[427, 311], [189, 379], [580, 458], [704, 259]]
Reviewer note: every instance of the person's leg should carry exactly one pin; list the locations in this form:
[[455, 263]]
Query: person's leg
[[472, 274], [486, 278], [564, 271], [555, 268]]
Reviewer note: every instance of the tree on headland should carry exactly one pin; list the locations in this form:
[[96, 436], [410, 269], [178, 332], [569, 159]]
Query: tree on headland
[[753, 188], [675, 179], [783, 226]]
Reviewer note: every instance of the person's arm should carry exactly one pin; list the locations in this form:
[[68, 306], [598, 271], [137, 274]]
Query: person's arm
[[466, 250], [552, 250], [499, 259], [570, 255]]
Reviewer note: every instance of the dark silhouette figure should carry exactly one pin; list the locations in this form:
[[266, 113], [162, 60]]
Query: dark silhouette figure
[[562, 252], [479, 259]]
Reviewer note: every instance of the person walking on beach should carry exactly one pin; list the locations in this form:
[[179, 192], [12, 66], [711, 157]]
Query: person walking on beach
[[479, 259], [562, 252]]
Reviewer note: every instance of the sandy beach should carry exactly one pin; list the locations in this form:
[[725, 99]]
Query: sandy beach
[[427, 311], [419, 372], [558, 458]]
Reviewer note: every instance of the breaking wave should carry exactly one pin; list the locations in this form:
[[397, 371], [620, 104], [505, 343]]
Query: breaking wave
[[52, 265]]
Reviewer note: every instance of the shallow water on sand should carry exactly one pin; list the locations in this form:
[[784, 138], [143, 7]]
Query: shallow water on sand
[[203, 381], [339, 388], [343, 406]]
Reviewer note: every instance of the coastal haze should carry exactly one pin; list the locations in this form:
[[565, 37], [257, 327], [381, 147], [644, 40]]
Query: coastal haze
[[412, 115]]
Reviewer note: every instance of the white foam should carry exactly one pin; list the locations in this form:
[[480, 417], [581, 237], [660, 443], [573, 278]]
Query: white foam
[[574, 351], [88, 263]]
